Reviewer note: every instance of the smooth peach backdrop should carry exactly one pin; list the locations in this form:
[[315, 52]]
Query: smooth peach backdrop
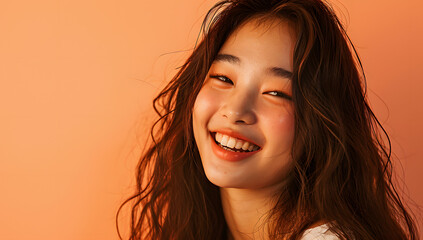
[[78, 77]]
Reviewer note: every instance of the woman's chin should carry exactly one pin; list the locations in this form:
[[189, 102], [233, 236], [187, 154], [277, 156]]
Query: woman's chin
[[225, 181]]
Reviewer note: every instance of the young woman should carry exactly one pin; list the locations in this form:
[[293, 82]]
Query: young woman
[[265, 133]]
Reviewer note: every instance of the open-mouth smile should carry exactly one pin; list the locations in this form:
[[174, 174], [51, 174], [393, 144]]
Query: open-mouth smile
[[230, 148]]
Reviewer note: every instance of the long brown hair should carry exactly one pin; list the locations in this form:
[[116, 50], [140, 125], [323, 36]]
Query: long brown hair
[[342, 169]]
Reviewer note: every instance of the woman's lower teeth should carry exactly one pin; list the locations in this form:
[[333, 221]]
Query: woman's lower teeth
[[233, 149]]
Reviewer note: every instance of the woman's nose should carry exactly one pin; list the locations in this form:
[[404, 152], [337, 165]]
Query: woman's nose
[[239, 109]]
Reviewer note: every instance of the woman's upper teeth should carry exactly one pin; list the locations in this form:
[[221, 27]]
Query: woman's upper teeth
[[232, 142]]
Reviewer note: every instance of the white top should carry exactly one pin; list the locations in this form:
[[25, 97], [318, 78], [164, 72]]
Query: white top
[[321, 232]]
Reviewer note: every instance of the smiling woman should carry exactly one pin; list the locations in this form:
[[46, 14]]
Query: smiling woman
[[266, 133], [242, 103]]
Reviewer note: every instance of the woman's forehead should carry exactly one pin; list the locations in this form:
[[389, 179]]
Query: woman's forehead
[[257, 43]]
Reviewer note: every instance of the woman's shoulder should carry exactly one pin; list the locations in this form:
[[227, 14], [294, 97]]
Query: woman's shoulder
[[321, 232]]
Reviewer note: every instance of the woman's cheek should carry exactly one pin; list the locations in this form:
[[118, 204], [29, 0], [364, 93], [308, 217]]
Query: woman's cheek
[[207, 102], [281, 121]]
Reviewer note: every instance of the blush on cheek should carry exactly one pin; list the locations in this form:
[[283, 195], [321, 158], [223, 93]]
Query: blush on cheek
[[281, 120], [207, 100], [282, 125], [285, 122]]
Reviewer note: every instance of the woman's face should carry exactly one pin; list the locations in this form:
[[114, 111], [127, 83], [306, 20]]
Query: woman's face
[[243, 117]]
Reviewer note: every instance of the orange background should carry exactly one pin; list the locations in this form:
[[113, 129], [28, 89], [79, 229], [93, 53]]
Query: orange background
[[77, 81]]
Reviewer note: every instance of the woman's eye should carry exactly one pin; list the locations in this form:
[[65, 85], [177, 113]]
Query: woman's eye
[[279, 94], [222, 78]]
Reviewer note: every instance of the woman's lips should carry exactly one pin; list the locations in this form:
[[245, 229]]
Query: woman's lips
[[227, 154]]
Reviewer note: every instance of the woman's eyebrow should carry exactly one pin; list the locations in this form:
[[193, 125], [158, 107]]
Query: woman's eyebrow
[[276, 71], [221, 57], [280, 72]]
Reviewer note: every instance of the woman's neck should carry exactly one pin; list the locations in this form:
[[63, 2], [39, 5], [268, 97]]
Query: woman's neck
[[246, 212]]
